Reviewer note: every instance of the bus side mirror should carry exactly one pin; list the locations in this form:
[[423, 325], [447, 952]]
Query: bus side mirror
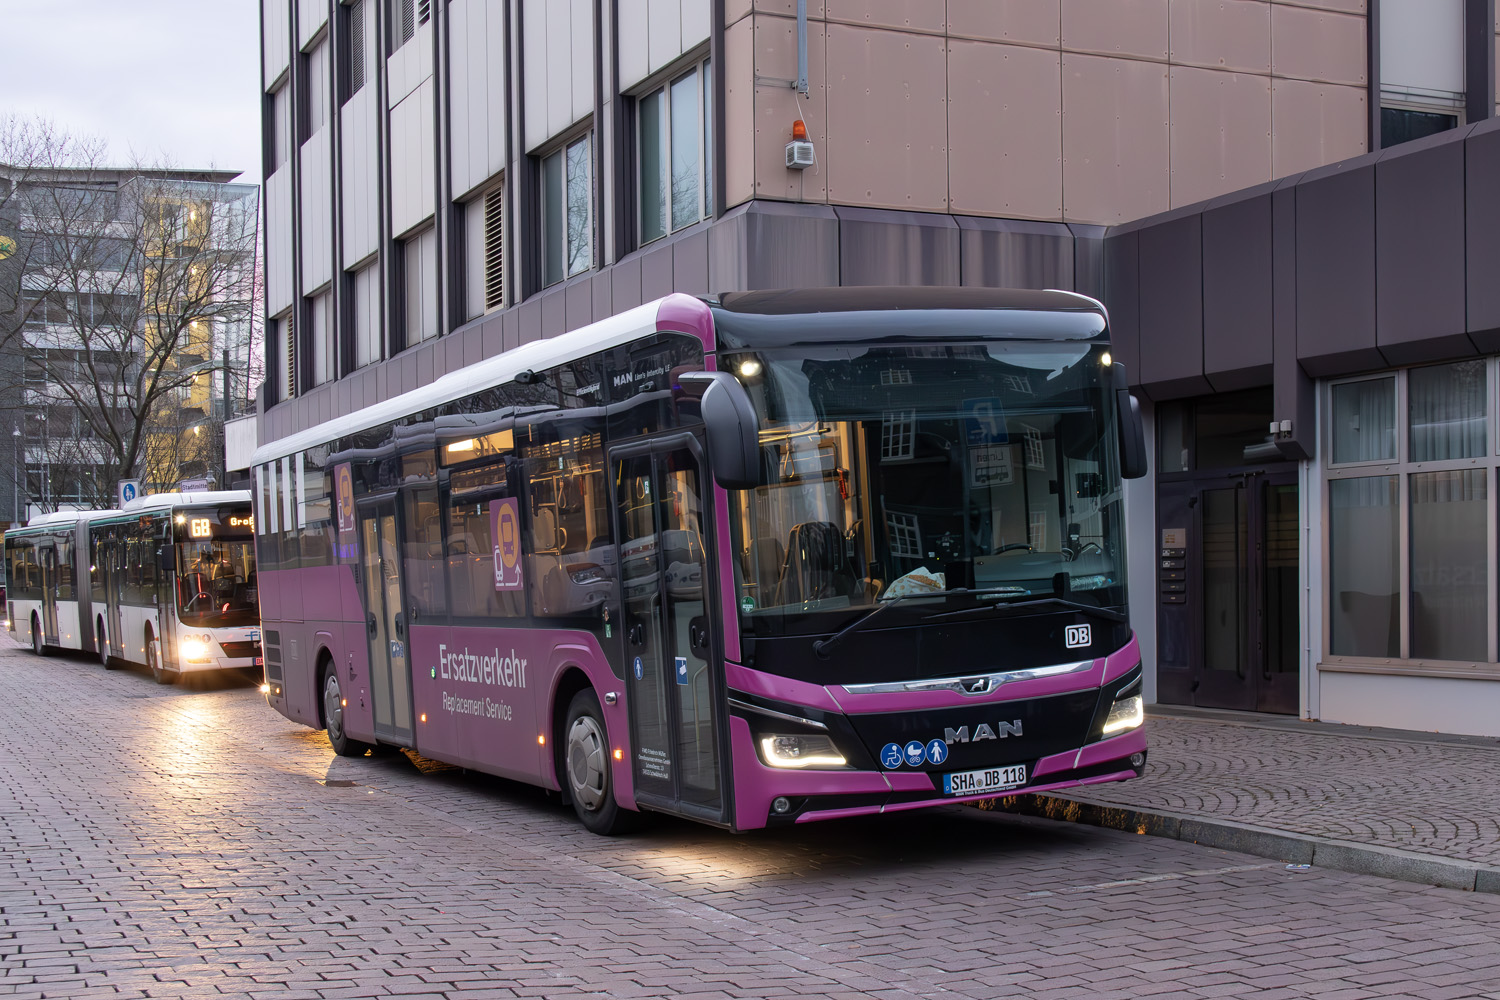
[[1131, 427], [164, 559], [732, 426]]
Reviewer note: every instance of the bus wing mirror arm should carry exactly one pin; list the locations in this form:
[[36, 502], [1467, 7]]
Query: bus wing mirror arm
[[732, 425], [1131, 427]]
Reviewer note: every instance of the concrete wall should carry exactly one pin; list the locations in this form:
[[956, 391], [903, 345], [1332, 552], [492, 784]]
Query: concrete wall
[[1094, 111]]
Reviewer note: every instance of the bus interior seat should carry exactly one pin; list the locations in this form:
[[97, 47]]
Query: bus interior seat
[[766, 558], [816, 565]]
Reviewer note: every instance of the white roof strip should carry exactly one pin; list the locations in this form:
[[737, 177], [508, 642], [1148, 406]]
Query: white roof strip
[[538, 355]]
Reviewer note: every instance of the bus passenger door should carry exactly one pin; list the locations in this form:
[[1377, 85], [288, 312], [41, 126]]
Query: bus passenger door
[[50, 582], [114, 584], [385, 622], [674, 690]]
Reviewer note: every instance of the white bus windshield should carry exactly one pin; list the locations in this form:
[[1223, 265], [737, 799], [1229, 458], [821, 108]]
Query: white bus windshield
[[216, 586]]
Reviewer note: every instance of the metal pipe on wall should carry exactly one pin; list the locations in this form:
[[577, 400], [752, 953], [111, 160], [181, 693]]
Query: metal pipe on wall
[[802, 47]]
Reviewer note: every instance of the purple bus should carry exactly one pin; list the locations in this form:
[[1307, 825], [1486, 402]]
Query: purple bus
[[759, 559]]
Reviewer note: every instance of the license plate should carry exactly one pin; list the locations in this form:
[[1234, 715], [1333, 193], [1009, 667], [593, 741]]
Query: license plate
[[990, 779], [260, 662]]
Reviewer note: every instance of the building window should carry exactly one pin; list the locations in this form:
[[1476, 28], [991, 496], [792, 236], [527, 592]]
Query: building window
[[364, 307], [314, 89], [675, 154], [284, 336], [406, 17], [1421, 68], [567, 212], [484, 253], [1410, 467], [358, 33], [323, 342], [419, 285], [279, 138]]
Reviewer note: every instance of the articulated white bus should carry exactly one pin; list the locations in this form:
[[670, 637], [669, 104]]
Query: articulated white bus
[[168, 582]]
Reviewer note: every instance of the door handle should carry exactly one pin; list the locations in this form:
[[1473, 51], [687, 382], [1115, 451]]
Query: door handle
[[370, 624], [401, 626], [637, 634], [697, 636]]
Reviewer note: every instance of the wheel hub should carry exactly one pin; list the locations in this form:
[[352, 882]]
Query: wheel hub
[[333, 707], [587, 761]]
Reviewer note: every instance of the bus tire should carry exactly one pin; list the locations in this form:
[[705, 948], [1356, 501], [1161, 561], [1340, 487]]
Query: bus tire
[[38, 641], [333, 717], [586, 768], [102, 642], [159, 673]]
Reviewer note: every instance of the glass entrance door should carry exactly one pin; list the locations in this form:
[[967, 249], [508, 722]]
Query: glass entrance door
[[673, 690], [1228, 604], [49, 592], [385, 623]]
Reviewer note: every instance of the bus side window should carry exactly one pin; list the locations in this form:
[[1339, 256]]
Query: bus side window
[[65, 570], [471, 563]]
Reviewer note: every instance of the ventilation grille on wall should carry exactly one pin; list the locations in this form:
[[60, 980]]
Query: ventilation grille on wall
[[424, 11], [290, 343], [494, 249], [357, 45], [406, 25]]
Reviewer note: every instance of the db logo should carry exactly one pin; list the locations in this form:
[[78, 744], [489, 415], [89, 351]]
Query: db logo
[[1078, 636]]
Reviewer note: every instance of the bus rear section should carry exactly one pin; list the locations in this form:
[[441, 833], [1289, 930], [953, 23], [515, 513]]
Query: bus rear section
[[48, 604], [762, 559]]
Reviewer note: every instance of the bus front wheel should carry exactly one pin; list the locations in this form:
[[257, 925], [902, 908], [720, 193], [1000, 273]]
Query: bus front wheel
[[38, 642], [153, 660], [586, 760]]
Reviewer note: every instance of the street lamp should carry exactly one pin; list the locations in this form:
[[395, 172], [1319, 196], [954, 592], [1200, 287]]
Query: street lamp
[[15, 475]]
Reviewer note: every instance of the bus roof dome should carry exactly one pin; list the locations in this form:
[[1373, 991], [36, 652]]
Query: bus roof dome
[[880, 298]]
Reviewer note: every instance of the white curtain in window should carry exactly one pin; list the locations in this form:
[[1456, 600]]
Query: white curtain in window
[[1364, 421], [1447, 411]]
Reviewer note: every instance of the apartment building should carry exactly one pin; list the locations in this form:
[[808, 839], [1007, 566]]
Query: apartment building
[[449, 179]]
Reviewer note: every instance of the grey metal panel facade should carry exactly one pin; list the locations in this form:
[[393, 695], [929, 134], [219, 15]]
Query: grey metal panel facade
[[1237, 293], [791, 246], [1292, 390], [1171, 308], [1482, 234], [1122, 297], [1006, 253], [1336, 269], [1419, 252], [882, 247]]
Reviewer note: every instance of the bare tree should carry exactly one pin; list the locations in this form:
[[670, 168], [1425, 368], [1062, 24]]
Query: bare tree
[[129, 287]]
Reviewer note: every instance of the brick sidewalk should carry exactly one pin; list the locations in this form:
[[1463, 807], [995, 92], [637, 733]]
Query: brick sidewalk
[[1416, 792]]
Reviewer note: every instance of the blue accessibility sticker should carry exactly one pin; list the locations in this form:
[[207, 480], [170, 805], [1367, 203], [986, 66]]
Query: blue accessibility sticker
[[915, 753], [682, 676], [937, 752], [891, 756], [639, 669]]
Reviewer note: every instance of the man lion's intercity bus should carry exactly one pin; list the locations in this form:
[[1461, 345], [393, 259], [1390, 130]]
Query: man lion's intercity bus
[[766, 558], [167, 582]]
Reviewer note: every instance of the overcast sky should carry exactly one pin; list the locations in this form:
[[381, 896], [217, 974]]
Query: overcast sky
[[173, 79]]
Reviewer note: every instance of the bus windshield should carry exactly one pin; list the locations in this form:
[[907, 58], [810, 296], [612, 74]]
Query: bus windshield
[[899, 471], [216, 586]]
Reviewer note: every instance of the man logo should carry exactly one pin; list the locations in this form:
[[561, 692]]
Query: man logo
[[1078, 636]]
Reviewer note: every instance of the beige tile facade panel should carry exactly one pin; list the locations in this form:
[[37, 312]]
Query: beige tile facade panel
[[1023, 22], [777, 106], [1116, 27], [1318, 45], [914, 15], [1221, 133], [739, 112], [887, 119], [1004, 130], [1347, 6], [1221, 34], [1115, 139], [1315, 123]]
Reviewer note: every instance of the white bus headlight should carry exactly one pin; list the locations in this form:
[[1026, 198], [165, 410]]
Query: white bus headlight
[[801, 751], [1126, 713], [196, 650]]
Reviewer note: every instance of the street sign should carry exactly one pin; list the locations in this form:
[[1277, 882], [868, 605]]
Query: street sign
[[127, 490]]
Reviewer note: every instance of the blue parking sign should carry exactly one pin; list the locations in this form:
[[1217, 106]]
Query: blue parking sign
[[984, 421]]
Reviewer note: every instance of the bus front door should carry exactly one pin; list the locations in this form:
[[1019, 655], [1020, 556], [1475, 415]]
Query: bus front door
[[50, 582], [674, 692], [385, 624]]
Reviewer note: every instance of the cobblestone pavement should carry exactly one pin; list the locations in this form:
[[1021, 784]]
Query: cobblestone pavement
[[1417, 793], [188, 842]]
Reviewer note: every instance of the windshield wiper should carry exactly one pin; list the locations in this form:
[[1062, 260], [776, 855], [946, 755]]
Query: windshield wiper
[[1088, 609], [821, 647]]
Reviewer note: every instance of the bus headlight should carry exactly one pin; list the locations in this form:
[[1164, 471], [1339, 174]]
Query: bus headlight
[[196, 651], [1126, 713], [801, 751]]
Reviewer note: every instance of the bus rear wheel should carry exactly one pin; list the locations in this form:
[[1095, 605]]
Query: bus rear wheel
[[153, 660], [586, 761], [38, 642], [333, 718]]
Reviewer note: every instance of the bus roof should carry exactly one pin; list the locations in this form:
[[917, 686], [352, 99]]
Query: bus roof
[[881, 298], [538, 355], [160, 501], [60, 519]]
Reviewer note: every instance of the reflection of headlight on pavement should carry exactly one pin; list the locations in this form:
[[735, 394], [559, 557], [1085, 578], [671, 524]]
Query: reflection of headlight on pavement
[[196, 651]]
